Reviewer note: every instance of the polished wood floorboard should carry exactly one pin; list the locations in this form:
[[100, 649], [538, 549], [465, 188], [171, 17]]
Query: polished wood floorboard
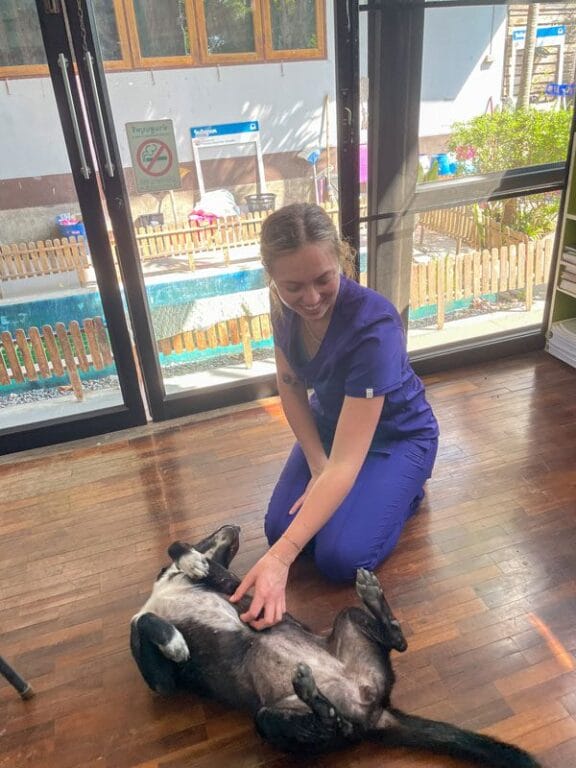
[[484, 578]]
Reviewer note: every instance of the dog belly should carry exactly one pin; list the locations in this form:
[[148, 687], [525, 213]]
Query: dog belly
[[275, 661]]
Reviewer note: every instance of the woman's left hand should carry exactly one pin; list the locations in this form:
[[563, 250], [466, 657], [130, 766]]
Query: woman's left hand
[[268, 578]]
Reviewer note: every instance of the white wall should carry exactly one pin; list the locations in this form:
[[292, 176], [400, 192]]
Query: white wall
[[287, 98], [456, 84]]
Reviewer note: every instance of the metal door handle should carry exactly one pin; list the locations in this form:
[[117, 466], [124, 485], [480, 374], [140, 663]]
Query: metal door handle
[[108, 164], [84, 167]]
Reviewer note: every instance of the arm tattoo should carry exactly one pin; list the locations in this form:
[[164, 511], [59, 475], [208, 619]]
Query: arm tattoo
[[293, 381]]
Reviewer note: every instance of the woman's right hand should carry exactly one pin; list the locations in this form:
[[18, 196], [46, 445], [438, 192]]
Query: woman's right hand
[[268, 580]]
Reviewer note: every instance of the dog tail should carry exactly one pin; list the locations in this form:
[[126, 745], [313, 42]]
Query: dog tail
[[398, 729]]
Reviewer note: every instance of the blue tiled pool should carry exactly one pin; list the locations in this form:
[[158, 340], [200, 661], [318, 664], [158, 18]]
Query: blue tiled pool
[[161, 293]]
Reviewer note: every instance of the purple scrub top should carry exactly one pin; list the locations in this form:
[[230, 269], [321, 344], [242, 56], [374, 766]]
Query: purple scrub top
[[363, 354]]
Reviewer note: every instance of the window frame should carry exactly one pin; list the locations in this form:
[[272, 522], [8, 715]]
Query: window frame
[[300, 54], [123, 37], [132, 59], [214, 59], [159, 62]]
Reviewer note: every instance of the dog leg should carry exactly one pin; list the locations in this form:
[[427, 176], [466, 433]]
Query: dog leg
[[198, 567], [307, 691], [317, 728], [370, 592], [157, 647]]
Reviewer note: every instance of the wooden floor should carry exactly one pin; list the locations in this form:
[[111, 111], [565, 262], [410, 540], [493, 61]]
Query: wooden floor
[[484, 578]]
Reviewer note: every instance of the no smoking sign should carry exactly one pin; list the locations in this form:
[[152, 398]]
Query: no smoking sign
[[154, 158], [153, 152]]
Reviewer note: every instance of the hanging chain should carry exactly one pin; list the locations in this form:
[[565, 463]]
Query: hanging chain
[[82, 22]]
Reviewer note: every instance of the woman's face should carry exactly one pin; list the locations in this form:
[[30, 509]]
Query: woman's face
[[307, 280]]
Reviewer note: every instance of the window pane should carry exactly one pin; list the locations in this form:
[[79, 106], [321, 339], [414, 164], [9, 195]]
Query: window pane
[[480, 269], [293, 24], [107, 28], [20, 37], [229, 26], [495, 87], [162, 28]]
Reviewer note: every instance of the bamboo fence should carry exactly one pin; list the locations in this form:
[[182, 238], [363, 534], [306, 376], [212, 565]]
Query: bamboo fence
[[55, 352], [241, 330], [490, 271], [459, 224], [44, 257]]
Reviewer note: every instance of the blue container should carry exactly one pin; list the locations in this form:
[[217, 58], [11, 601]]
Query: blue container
[[71, 228], [446, 166], [443, 164]]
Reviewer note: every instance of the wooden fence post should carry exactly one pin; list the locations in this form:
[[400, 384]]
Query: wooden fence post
[[441, 281], [71, 368], [529, 276], [245, 336]]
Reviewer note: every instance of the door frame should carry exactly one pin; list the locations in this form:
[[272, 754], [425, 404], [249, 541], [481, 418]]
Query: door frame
[[161, 405]]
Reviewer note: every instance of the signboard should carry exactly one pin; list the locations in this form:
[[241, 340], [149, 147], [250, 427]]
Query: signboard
[[154, 158], [226, 134], [554, 36], [215, 132], [557, 31]]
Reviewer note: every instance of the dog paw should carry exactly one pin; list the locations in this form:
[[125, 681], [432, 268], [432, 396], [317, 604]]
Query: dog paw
[[176, 648], [367, 585], [304, 683], [194, 564]]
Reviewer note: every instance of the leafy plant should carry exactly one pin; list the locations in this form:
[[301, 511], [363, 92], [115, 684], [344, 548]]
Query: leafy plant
[[514, 139]]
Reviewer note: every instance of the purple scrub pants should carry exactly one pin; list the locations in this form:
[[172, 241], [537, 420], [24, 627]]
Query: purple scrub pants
[[367, 525]]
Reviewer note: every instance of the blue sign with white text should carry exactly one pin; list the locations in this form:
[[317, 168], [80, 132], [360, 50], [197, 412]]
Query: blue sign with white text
[[557, 31], [224, 129]]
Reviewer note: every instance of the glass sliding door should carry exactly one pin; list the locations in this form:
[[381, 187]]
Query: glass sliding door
[[499, 105], [66, 366], [211, 129], [467, 110]]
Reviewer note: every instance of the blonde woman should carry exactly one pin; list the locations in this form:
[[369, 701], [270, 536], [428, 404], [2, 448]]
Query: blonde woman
[[366, 438]]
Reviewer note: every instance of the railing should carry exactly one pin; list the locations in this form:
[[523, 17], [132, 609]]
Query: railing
[[241, 330], [44, 257], [55, 352], [471, 275], [459, 224]]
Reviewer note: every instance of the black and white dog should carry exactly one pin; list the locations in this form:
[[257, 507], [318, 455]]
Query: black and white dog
[[307, 693]]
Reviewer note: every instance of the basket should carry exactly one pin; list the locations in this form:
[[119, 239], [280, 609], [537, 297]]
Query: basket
[[264, 201]]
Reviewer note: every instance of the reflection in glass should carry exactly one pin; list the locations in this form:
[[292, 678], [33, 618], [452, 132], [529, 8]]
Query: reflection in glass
[[229, 26], [293, 24], [107, 26], [20, 37], [495, 103], [162, 28]]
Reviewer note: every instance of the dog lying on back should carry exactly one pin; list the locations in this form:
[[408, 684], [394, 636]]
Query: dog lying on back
[[307, 693]]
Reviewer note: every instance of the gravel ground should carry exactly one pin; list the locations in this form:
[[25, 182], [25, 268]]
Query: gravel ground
[[41, 393]]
